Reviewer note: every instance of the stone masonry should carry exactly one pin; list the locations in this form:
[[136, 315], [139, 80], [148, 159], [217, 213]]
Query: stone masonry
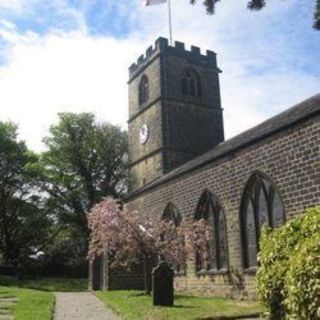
[[181, 126], [185, 155], [285, 147]]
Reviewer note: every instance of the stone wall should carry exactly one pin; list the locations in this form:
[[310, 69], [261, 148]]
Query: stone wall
[[289, 155], [146, 160], [122, 279], [181, 126]]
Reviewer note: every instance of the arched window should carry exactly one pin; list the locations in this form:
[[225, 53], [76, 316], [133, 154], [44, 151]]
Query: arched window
[[143, 90], [210, 209], [190, 84], [261, 204], [171, 213]]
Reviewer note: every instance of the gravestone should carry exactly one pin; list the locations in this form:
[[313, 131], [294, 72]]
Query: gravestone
[[162, 285]]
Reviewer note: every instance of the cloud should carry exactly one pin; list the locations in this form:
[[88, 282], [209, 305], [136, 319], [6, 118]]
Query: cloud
[[64, 72], [11, 4], [268, 64]]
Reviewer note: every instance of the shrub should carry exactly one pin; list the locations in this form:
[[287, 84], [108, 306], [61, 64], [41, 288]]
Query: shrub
[[278, 275], [302, 283]]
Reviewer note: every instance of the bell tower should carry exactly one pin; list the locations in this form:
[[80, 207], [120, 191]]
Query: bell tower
[[174, 109]]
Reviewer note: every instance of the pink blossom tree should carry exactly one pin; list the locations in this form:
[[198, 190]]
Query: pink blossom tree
[[201, 236], [132, 238]]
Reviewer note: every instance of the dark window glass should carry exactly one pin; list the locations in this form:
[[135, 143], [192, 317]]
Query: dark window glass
[[251, 235], [190, 84], [192, 87], [261, 204], [223, 257], [199, 91], [277, 211], [143, 90], [263, 208], [210, 209], [184, 85], [171, 213]]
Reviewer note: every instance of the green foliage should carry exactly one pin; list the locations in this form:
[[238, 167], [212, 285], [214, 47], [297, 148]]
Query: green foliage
[[258, 5], [65, 257], [46, 284], [20, 205], [282, 269], [85, 162], [302, 283], [316, 23]]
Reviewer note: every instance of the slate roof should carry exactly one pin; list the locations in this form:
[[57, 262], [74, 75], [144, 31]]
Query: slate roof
[[297, 113]]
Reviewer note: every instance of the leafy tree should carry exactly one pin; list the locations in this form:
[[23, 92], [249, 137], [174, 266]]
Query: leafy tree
[[85, 162], [20, 206], [258, 5], [64, 256], [316, 23]]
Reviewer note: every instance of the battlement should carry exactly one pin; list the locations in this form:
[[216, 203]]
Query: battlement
[[162, 46]]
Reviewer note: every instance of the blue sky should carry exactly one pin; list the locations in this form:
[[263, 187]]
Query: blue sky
[[72, 55]]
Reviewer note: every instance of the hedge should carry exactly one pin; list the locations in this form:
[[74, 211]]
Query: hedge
[[288, 278]]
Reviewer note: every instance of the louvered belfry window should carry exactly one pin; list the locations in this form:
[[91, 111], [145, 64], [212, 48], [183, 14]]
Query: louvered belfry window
[[190, 84]]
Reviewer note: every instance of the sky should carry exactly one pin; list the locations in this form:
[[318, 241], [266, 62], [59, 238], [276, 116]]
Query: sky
[[73, 56]]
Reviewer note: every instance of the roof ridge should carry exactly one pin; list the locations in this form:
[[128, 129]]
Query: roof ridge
[[284, 119]]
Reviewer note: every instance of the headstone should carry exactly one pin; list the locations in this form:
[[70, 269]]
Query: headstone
[[162, 285]]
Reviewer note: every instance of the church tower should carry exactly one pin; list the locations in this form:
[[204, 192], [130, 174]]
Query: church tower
[[174, 109]]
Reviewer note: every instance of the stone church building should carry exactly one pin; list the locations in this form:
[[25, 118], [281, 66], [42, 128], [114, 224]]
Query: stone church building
[[181, 166]]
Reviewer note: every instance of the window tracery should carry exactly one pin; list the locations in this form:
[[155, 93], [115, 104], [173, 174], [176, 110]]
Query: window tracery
[[209, 209], [261, 204], [190, 84], [172, 214]]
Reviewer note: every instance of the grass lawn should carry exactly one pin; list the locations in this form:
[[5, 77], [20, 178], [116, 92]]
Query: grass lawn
[[34, 299], [138, 305], [31, 304], [46, 284]]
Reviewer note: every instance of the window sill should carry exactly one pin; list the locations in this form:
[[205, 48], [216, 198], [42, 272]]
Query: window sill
[[212, 272], [180, 273], [250, 271]]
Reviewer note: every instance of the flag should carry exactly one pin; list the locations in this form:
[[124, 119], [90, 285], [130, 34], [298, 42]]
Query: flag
[[152, 2]]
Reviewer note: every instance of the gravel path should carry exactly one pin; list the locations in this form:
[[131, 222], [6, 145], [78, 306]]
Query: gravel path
[[81, 306]]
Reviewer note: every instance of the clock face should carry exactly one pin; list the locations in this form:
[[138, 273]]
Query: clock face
[[143, 134]]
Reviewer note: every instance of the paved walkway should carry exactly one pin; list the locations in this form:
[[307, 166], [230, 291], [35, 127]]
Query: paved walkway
[[81, 306]]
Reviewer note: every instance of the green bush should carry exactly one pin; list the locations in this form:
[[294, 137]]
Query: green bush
[[302, 285], [283, 254]]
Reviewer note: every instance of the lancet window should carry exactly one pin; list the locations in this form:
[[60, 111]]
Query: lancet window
[[143, 90], [190, 84], [261, 204], [209, 208]]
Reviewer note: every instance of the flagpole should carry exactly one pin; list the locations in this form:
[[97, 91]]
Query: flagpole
[[170, 23]]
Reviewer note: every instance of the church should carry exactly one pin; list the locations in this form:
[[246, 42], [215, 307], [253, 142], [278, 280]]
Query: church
[[181, 166]]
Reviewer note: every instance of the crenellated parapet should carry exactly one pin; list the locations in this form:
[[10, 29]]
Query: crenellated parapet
[[162, 46]]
